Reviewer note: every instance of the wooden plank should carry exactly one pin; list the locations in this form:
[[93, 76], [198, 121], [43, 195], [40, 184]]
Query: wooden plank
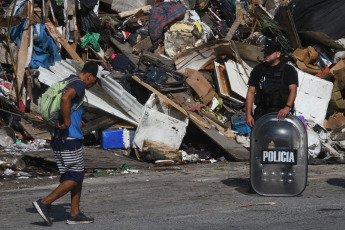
[[22, 57], [149, 59], [143, 45], [132, 12], [127, 50], [255, 204], [99, 123], [95, 158], [290, 25], [230, 146], [320, 38], [213, 118], [103, 63], [222, 80], [94, 60], [227, 132], [75, 31], [199, 57], [234, 27], [238, 56], [200, 85], [173, 104], [209, 45], [53, 35], [260, 10], [53, 15], [29, 91], [250, 52], [33, 132], [46, 9], [66, 45], [31, 34]]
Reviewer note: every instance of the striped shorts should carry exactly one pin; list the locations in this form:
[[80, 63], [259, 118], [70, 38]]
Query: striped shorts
[[69, 158]]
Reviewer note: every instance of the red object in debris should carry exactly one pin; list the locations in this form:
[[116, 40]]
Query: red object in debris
[[324, 71], [21, 105], [126, 34], [6, 85]]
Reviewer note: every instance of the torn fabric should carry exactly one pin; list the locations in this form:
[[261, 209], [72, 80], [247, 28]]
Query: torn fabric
[[161, 15]]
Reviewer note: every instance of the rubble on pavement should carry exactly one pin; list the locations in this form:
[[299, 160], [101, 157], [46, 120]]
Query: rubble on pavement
[[174, 73]]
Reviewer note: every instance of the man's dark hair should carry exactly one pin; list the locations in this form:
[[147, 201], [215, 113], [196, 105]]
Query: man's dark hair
[[92, 68]]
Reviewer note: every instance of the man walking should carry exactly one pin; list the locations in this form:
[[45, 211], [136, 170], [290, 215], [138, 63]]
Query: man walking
[[68, 148], [272, 86]]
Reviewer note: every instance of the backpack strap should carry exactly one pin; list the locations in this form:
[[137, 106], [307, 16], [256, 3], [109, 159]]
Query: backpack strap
[[81, 100]]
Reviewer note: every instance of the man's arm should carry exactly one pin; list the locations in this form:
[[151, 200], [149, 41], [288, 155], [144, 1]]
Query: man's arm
[[291, 99], [249, 105], [66, 99]]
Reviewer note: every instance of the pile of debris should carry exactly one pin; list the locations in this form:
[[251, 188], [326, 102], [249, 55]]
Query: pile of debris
[[173, 73]]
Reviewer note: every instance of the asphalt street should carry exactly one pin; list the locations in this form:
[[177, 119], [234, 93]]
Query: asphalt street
[[194, 196]]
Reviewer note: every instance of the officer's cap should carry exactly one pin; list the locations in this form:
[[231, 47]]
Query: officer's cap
[[271, 47]]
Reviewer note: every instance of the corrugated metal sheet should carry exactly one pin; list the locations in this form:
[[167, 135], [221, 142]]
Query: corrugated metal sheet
[[127, 102], [96, 96]]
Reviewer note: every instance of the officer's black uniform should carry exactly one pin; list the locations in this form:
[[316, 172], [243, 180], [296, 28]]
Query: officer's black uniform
[[272, 87]]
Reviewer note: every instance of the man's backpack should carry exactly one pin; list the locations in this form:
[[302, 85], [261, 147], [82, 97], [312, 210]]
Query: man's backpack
[[50, 104]]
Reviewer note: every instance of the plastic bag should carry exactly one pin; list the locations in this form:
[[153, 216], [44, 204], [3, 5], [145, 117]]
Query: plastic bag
[[91, 39], [88, 21]]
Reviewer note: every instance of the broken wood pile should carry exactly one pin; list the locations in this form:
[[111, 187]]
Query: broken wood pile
[[174, 73]]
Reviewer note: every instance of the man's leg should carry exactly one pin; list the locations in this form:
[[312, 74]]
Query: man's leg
[[43, 205], [76, 217], [61, 190], [75, 198]]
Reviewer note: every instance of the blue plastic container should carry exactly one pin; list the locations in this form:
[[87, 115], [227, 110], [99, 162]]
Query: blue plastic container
[[239, 124], [241, 128], [117, 138]]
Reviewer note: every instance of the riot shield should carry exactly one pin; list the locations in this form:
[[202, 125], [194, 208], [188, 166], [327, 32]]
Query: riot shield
[[278, 156]]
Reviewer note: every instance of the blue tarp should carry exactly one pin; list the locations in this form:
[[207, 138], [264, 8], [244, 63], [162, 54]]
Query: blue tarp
[[45, 52]]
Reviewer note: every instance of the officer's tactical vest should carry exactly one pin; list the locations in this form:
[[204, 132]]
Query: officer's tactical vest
[[272, 92]]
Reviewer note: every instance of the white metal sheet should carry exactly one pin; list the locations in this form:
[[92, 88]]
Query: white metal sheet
[[237, 77], [157, 126], [313, 96]]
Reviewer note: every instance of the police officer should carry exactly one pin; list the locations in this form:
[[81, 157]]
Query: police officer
[[272, 86]]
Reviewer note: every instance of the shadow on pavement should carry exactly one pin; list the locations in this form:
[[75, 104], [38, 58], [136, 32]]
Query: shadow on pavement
[[241, 185], [57, 213], [336, 182]]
